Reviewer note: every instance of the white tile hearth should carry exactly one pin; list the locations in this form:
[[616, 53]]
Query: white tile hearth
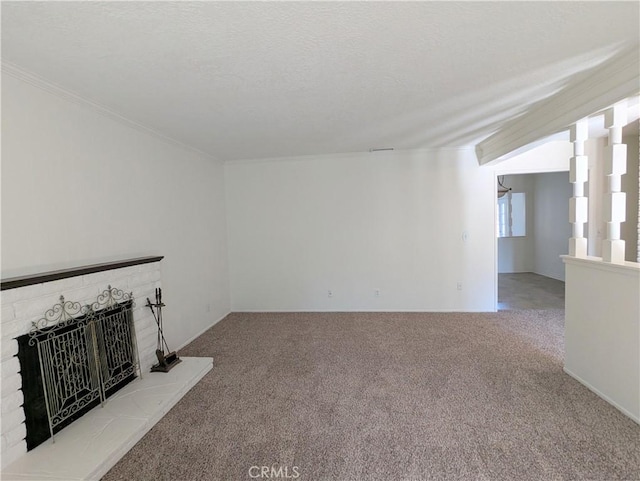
[[90, 446]]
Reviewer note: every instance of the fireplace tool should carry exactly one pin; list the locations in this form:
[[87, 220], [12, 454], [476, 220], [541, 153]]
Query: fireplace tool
[[165, 361]]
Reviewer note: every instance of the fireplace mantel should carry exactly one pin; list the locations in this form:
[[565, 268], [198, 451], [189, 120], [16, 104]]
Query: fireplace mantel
[[28, 280]]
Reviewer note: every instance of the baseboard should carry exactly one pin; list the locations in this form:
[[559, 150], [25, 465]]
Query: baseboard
[[195, 336], [387, 311], [549, 276], [624, 411]]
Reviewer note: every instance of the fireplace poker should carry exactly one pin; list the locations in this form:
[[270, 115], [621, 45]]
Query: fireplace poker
[[165, 362], [159, 319], [159, 342]]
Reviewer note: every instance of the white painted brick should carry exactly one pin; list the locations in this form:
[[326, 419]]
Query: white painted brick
[[147, 332], [145, 315], [12, 453], [7, 314], [126, 271], [145, 323], [106, 277], [61, 285], [98, 278], [144, 331], [141, 302], [147, 342], [143, 278], [16, 328], [85, 294], [10, 384], [141, 296], [152, 266], [143, 339], [141, 315], [142, 322], [150, 354], [117, 282], [147, 347], [121, 283], [146, 339], [10, 296], [146, 290], [34, 307], [12, 419], [146, 362], [9, 366], [16, 435], [12, 402], [143, 328], [8, 348]]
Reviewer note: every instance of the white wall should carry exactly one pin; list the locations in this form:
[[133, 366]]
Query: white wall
[[552, 156], [516, 254], [354, 223], [551, 231], [78, 187], [602, 330]]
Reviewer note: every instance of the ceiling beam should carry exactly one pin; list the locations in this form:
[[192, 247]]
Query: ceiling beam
[[614, 80]]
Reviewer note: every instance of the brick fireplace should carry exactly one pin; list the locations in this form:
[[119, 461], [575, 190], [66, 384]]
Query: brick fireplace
[[25, 300]]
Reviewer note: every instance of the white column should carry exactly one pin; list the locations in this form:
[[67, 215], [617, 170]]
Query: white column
[[615, 165], [638, 238], [578, 175]]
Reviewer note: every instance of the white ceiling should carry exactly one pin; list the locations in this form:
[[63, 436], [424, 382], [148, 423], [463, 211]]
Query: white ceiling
[[268, 79]]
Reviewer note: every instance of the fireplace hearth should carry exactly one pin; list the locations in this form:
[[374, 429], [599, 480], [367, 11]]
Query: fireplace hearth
[[73, 359]]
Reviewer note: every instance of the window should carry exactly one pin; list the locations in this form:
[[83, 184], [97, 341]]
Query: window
[[512, 215]]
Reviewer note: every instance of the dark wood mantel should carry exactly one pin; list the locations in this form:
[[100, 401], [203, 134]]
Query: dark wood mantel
[[22, 281]]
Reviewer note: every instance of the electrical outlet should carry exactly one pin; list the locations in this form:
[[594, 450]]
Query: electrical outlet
[[376, 293], [459, 286], [329, 293]]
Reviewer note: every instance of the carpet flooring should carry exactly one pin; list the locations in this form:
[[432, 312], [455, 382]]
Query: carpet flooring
[[375, 396]]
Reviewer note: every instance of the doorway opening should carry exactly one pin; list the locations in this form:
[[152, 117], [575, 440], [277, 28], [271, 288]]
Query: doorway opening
[[532, 231]]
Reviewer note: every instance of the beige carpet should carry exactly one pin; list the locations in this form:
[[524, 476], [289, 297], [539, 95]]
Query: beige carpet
[[359, 396]]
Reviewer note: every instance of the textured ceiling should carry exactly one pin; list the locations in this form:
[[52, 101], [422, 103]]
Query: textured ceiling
[[267, 79]]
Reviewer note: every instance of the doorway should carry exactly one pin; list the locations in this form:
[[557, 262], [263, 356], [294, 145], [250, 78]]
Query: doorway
[[532, 232]]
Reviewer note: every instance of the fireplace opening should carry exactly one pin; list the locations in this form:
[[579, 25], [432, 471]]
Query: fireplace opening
[[73, 359]]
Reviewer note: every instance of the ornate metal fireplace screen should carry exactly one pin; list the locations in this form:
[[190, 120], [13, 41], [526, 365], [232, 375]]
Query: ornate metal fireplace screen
[[84, 352]]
